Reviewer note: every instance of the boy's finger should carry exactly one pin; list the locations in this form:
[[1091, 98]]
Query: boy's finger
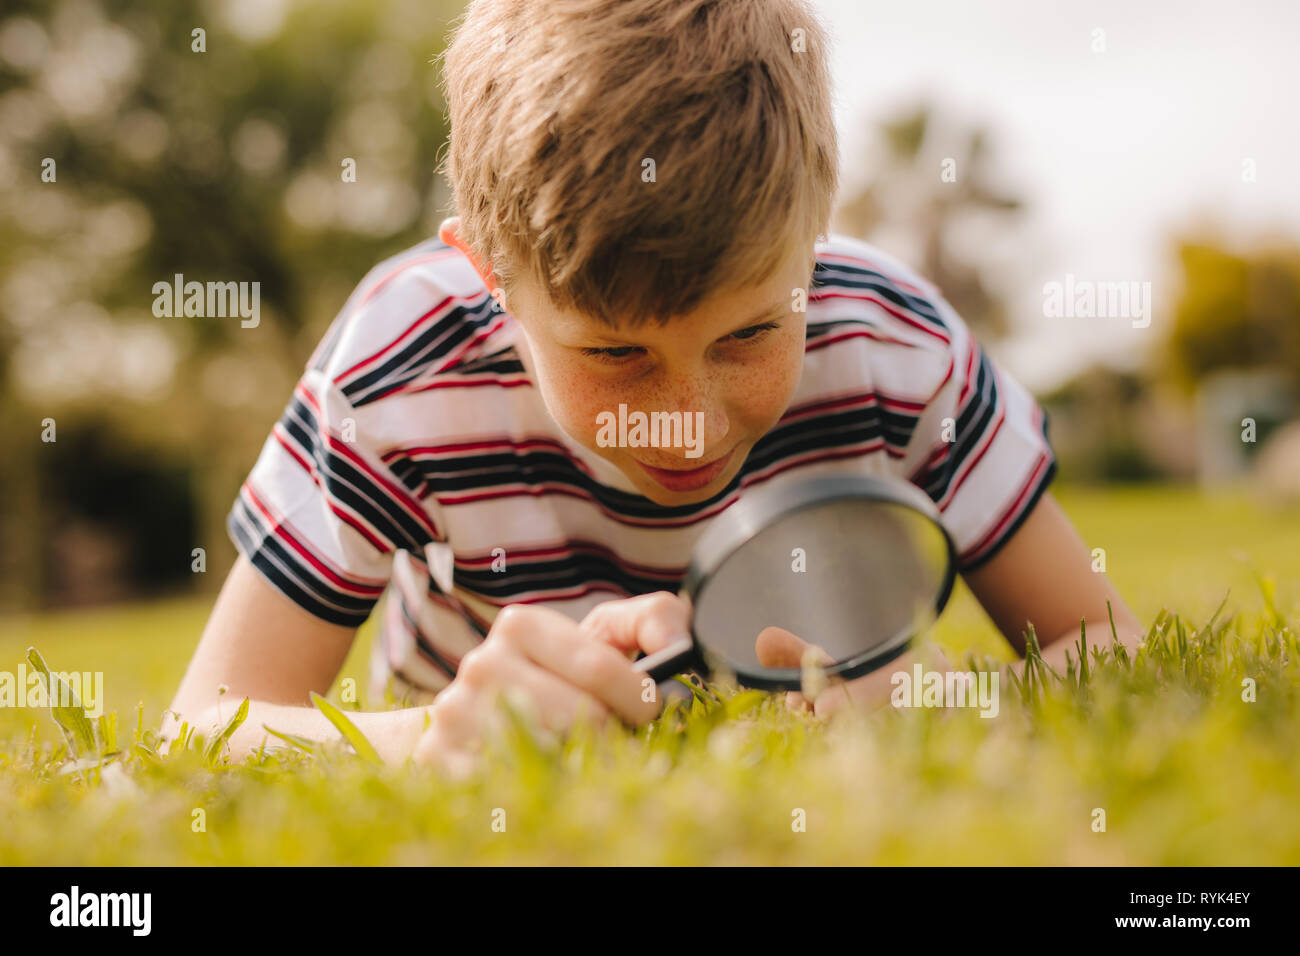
[[649, 622], [551, 640], [796, 701], [777, 647], [832, 700]]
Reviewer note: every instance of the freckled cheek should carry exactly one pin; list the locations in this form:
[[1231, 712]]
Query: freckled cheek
[[760, 393], [575, 397]]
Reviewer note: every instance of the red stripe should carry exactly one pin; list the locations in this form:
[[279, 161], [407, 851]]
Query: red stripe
[[282, 437], [544, 489], [569, 548], [420, 452], [873, 397], [820, 341], [538, 491], [426, 645], [395, 493], [947, 376], [986, 441], [410, 330], [566, 595], [370, 293], [283, 529], [936, 456], [337, 508], [482, 336], [402, 267], [1010, 515], [811, 459], [970, 464], [969, 379], [887, 307], [881, 270], [334, 506], [303, 392], [467, 383], [413, 508]]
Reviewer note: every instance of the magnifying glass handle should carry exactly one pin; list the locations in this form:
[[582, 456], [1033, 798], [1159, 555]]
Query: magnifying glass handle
[[673, 659]]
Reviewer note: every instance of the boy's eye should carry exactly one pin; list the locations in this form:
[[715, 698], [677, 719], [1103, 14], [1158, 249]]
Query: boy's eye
[[623, 351], [752, 331]]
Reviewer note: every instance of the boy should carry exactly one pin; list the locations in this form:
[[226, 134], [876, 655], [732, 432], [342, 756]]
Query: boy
[[643, 187]]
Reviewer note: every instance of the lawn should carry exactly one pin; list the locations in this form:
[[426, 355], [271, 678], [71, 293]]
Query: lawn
[[1161, 748]]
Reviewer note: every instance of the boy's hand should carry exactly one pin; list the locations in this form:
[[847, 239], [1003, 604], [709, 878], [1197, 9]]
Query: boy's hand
[[777, 647], [547, 665], [649, 622]]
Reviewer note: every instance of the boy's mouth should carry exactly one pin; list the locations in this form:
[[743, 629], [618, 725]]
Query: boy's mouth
[[689, 479]]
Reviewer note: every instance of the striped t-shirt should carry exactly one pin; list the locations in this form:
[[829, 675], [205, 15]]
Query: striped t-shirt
[[416, 454]]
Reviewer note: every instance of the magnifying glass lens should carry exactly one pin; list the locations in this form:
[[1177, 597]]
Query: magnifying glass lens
[[850, 575]]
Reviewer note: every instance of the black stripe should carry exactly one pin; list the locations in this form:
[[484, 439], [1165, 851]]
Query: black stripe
[[259, 553], [534, 467], [858, 277], [415, 358], [1007, 535], [501, 362], [972, 422], [576, 570], [423, 643], [817, 330], [329, 342], [405, 471], [348, 484]]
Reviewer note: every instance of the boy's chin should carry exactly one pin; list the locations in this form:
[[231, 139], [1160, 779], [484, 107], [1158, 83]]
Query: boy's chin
[[663, 496]]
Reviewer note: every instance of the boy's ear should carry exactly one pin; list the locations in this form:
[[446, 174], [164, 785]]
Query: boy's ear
[[449, 232]]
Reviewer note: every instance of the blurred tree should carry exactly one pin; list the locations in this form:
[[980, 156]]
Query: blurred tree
[[931, 179], [1235, 311], [139, 141], [1233, 346], [1098, 426]]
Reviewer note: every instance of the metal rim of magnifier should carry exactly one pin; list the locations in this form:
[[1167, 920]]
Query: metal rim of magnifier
[[750, 515]]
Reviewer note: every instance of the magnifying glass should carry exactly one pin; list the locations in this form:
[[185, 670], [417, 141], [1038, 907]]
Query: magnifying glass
[[853, 564]]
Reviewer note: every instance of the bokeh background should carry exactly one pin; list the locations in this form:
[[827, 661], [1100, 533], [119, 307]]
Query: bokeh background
[[1107, 141]]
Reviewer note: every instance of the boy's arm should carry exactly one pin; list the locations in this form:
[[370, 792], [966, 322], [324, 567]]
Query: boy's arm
[[263, 646], [1043, 575]]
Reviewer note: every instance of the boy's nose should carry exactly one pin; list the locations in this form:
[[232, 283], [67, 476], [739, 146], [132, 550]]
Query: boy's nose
[[705, 433]]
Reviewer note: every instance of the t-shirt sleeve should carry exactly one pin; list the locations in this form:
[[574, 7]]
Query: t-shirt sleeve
[[325, 508], [983, 446]]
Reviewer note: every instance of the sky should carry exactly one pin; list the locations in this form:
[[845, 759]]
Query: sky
[[1115, 151]]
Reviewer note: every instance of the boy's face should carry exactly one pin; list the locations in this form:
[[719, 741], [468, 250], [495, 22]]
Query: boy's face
[[731, 365]]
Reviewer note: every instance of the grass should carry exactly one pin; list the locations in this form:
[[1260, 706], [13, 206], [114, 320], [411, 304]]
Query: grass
[[1185, 770]]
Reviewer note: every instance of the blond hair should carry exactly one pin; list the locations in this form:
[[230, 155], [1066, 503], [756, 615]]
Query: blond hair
[[557, 105]]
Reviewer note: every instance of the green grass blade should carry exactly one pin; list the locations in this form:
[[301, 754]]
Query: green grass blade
[[107, 724], [365, 750], [213, 750], [744, 701], [71, 718], [309, 747]]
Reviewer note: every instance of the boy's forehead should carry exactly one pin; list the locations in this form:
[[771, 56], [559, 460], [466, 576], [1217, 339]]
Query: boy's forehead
[[733, 308], [732, 311]]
